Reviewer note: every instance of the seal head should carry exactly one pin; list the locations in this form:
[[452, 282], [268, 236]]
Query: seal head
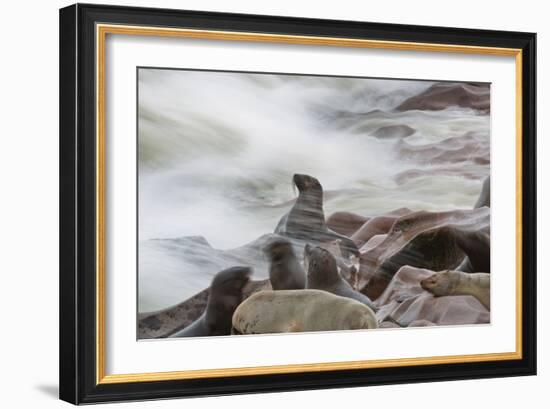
[[322, 274], [285, 271], [306, 219]]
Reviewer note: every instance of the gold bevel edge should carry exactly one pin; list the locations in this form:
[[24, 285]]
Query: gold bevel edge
[[122, 29], [318, 367], [103, 29]]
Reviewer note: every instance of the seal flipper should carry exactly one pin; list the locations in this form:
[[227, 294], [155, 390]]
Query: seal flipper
[[347, 245]]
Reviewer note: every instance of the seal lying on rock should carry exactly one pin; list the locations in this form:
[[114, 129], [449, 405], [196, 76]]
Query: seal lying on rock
[[285, 271], [226, 292], [405, 302], [460, 283], [268, 312], [322, 274], [306, 219]]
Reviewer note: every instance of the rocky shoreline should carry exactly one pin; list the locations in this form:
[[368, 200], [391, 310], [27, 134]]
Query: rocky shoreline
[[395, 251]]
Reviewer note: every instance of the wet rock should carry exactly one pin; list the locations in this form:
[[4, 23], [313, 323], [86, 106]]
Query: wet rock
[[345, 223], [388, 324], [422, 323], [166, 286], [393, 131], [162, 324], [375, 226], [470, 147], [373, 242], [444, 95]]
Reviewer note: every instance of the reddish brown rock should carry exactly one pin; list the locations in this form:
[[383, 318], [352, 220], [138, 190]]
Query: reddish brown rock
[[472, 146], [161, 324], [447, 94], [422, 323], [388, 324], [431, 240], [373, 242], [393, 131], [345, 223], [375, 226]]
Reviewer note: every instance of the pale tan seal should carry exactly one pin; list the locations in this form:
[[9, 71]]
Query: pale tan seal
[[460, 283], [268, 312]]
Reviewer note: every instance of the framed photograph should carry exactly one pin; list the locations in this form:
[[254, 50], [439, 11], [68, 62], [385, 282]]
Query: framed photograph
[[257, 203]]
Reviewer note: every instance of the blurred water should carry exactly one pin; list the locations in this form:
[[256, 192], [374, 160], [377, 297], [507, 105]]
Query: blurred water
[[217, 152]]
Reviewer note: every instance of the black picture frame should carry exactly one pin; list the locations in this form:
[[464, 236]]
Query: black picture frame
[[78, 236]]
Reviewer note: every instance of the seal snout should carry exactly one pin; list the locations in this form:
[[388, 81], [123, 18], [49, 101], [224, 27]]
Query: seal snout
[[427, 283], [233, 277], [304, 182]]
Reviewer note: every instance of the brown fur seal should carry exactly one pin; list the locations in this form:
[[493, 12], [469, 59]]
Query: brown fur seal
[[306, 219], [460, 283], [268, 312], [285, 271], [322, 274], [226, 292]]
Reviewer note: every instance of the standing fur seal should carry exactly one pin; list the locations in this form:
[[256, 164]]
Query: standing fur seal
[[322, 274], [306, 219], [285, 271], [268, 312], [460, 283], [226, 292]]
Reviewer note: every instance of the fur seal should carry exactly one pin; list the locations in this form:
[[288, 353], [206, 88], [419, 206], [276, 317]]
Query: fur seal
[[484, 198], [306, 219], [226, 292], [322, 274], [460, 283], [285, 271], [268, 312]]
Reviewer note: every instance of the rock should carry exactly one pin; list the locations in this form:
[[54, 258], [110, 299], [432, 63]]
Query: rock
[[405, 284], [422, 323], [188, 265], [345, 223], [393, 131], [470, 147], [447, 94], [431, 240], [373, 242], [162, 324], [388, 324], [412, 175], [375, 226]]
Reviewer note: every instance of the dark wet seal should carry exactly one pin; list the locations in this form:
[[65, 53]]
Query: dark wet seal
[[285, 271], [226, 293], [306, 219], [322, 274]]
